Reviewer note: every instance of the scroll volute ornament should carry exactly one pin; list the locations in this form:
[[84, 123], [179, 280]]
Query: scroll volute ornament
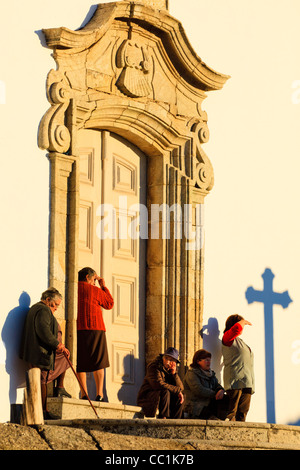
[[53, 134], [203, 170], [137, 65]]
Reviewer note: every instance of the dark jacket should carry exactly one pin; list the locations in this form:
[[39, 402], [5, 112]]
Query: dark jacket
[[39, 339], [157, 379], [199, 389]]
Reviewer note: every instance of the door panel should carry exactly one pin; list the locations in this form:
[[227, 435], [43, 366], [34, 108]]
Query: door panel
[[89, 143], [112, 185]]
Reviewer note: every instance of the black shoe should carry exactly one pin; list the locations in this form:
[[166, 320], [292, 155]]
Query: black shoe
[[48, 415], [61, 392], [99, 398]]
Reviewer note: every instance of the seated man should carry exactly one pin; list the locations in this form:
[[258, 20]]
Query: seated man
[[162, 388], [204, 396], [42, 347]]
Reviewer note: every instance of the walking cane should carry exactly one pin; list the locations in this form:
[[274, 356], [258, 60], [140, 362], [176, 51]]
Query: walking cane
[[80, 383]]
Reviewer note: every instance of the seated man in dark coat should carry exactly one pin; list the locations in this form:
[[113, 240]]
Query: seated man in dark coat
[[162, 388], [40, 341]]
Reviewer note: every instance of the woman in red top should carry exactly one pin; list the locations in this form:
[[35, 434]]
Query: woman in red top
[[92, 354]]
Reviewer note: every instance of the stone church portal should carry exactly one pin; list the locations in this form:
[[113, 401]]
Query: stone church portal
[[126, 120]]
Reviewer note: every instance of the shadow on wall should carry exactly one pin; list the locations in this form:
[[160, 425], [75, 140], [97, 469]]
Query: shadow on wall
[[269, 298], [211, 342], [128, 387], [295, 423], [128, 391], [11, 337]]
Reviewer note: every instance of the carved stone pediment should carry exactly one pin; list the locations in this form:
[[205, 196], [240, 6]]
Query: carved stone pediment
[[131, 67]]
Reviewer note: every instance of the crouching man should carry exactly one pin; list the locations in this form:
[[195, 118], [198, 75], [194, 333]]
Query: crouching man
[[162, 388]]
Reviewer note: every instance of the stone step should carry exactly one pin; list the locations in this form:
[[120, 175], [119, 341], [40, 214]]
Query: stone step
[[198, 434], [72, 408], [127, 420]]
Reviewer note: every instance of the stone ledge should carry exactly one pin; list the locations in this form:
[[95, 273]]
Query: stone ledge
[[223, 434], [147, 435]]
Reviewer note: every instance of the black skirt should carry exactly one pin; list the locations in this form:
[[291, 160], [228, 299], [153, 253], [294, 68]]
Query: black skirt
[[92, 351]]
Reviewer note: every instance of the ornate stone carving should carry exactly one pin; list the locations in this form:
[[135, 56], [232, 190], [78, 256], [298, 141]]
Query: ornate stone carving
[[53, 133], [135, 78], [204, 174]]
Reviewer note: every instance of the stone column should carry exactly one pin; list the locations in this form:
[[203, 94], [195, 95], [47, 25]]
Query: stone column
[[63, 242], [174, 263], [196, 274], [156, 260], [72, 261], [61, 167]]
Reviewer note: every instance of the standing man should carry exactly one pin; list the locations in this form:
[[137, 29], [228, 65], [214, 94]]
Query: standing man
[[40, 343], [162, 388]]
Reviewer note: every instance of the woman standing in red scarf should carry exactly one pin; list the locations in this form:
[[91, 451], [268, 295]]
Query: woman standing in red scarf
[[92, 354], [238, 368]]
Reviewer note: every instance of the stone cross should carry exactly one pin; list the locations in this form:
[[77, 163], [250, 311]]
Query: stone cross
[[269, 298], [158, 4]]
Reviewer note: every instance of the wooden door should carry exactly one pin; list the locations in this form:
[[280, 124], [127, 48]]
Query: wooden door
[[112, 190]]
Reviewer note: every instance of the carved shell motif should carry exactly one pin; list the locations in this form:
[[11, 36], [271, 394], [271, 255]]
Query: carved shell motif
[[135, 78]]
